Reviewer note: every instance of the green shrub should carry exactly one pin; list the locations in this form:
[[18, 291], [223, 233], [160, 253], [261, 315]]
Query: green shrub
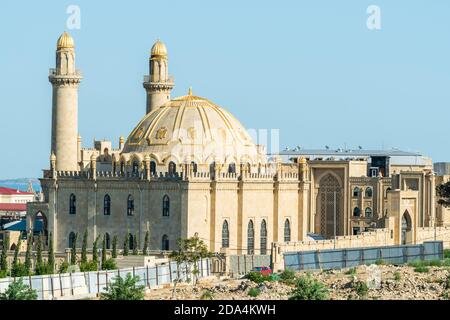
[[447, 254], [3, 273], [88, 266], [434, 263], [257, 277], [124, 289], [17, 290], [308, 288], [422, 269], [207, 295], [288, 276], [351, 271], [43, 268], [254, 292], [361, 289], [109, 264], [397, 276], [63, 267], [19, 270]]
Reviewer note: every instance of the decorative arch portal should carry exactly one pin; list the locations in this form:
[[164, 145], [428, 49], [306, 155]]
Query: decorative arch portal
[[328, 186], [406, 228], [37, 223]]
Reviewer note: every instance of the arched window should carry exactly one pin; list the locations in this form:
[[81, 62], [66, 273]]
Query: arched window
[[356, 192], [263, 240], [72, 239], [250, 238], [135, 167], [107, 205], [108, 240], [122, 167], [287, 231], [130, 241], [387, 191], [166, 206], [356, 212], [165, 243], [130, 205], [152, 167], [72, 204], [225, 235], [172, 168], [232, 168], [369, 192], [194, 167], [368, 212]]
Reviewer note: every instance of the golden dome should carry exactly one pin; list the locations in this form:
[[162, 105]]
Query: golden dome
[[65, 41], [159, 49], [192, 127]]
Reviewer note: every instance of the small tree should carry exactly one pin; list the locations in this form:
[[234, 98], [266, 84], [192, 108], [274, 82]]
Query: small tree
[[39, 262], [28, 254], [73, 256], [95, 251], [135, 244], [103, 251], [114, 247], [51, 255], [443, 192], [146, 240], [18, 291], [84, 259], [124, 289], [125, 245], [18, 269], [4, 255]]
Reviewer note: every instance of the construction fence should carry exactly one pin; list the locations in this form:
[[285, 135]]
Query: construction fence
[[79, 285], [351, 257], [242, 264]]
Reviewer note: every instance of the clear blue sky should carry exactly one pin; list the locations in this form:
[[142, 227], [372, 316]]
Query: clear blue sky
[[310, 68]]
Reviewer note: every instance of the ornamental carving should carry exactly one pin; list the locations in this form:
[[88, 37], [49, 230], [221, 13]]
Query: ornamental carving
[[161, 133]]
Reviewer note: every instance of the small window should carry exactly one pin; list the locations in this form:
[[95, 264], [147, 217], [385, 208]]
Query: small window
[[107, 205], [263, 240], [387, 191], [152, 167], [287, 231], [122, 167], [72, 204], [369, 192], [368, 213], [130, 241], [356, 212], [172, 168], [356, 231], [194, 167], [232, 168], [356, 192], [108, 241], [72, 239], [165, 243], [250, 238], [166, 206], [225, 235], [135, 168], [130, 205]]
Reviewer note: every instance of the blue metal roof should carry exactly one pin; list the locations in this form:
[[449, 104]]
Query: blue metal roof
[[21, 225]]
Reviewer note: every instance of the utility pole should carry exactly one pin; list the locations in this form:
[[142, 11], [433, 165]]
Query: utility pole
[[334, 219]]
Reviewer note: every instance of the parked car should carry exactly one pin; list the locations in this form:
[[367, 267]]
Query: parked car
[[265, 271]]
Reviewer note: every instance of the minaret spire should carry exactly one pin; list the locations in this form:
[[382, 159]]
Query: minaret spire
[[158, 84], [65, 80]]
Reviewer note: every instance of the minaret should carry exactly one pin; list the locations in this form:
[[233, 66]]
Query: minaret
[[65, 80], [158, 84]]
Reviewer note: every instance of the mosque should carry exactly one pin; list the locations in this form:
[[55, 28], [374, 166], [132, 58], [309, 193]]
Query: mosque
[[189, 168]]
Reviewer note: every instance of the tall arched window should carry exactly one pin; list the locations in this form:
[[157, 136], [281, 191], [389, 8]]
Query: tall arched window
[[250, 238], [356, 212], [387, 191], [130, 205], [287, 231], [232, 168], [152, 167], [356, 192], [368, 212], [263, 240], [108, 240], [72, 239], [166, 206], [172, 168], [135, 167], [369, 192], [72, 204], [225, 235], [212, 169], [165, 243], [107, 205]]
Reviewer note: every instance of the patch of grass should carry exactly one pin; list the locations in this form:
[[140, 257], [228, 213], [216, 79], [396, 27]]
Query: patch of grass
[[380, 262], [351, 271], [308, 288], [254, 292], [397, 276], [207, 295], [288, 276], [422, 269], [361, 289]]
